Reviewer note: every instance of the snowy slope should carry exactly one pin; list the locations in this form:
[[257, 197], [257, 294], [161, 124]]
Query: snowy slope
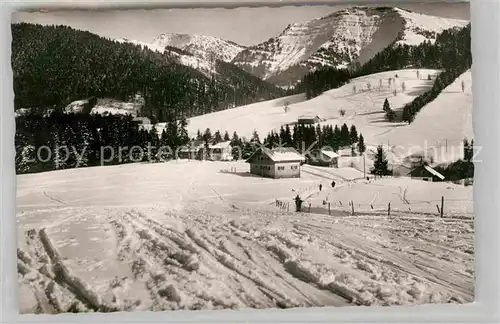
[[347, 36], [206, 47], [420, 27], [183, 235], [440, 126], [363, 108], [443, 124]]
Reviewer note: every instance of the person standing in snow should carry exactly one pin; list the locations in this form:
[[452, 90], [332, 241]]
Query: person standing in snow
[[320, 187], [333, 184], [298, 204]]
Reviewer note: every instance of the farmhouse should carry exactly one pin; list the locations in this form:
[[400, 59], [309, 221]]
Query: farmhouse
[[426, 173], [323, 158], [192, 151], [308, 120], [276, 163], [220, 152]]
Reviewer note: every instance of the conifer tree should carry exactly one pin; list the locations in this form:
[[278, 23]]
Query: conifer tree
[[390, 115], [237, 146], [344, 136], [336, 138], [255, 138], [183, 132], [226, 137], [353, 135], [380, 166], [207, 136], [288, 141], [282, 135], [386, 107], [217, 138]]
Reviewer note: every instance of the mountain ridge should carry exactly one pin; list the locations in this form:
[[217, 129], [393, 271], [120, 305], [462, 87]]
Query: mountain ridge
[[341, 39]]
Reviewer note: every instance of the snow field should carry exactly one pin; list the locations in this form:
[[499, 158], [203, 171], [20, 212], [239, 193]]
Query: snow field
[[155, 238]]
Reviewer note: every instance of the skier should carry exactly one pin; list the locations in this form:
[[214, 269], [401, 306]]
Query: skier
[[298, 204], [333, 184], [320, 187]]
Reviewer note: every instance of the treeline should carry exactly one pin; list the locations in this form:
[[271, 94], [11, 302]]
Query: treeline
[[63, 141], [450, 51], [55, 65], [319, 81], [443, 80], [300, 137]]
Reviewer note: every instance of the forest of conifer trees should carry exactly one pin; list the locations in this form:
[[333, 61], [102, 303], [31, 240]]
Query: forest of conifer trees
[[55, 65]]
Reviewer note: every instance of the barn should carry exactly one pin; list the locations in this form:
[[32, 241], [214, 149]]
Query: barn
[[283, 162], [323, 158], [308, 120], [426, 173]]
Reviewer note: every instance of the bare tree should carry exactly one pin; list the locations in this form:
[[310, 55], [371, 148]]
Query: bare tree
[[342, 112]]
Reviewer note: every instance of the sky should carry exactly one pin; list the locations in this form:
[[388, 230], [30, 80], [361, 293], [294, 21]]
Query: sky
[[243, 25]]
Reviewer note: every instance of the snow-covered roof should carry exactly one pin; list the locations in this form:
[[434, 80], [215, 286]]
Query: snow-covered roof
[[309, 117], [281, 154], [330, 154], [434, 172], [221, 145]]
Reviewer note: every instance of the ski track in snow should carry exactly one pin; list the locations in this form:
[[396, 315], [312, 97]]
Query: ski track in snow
[[105, 255]]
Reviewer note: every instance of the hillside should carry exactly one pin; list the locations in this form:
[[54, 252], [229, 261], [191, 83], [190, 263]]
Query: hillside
[[342, 39], [442, 124], [49, 74], [364, 110]]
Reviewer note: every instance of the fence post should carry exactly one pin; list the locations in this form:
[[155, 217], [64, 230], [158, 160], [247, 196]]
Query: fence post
[[439, 211], [389, 209], [329, 213], [442, 206], [352, 205]]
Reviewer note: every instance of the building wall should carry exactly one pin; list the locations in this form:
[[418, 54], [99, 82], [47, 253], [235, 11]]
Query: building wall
[[287, 170], [263, 170]]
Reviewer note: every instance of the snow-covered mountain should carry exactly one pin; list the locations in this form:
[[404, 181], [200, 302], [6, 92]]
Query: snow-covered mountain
[[339, 39], [199, 62], [206, 47]]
